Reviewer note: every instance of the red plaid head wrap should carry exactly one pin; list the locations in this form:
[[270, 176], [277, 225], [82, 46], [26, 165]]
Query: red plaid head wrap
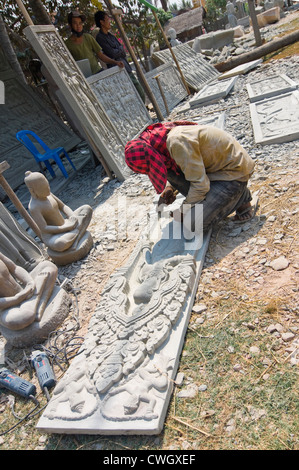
[[148, 154]]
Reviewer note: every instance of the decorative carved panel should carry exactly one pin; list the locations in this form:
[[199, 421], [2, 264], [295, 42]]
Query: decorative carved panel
[[196, 70], [115, 91], [93, 118]]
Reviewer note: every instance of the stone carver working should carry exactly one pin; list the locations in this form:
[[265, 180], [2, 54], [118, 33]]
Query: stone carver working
[[205, 164]]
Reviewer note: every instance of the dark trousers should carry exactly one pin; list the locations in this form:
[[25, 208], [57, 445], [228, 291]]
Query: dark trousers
[[223, 198]]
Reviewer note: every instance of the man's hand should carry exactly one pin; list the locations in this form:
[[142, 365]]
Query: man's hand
[[120, 63], [168, 196]]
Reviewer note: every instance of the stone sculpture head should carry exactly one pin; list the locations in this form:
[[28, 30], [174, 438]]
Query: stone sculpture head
[[37, 184]]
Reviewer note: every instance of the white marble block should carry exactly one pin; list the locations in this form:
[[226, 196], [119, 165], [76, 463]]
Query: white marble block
[[276, 120], [122, 380], [272, 86]]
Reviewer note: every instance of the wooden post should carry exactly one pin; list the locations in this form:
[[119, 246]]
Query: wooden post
[[171, 51], [256, 29], [15, 200], [116, 14], [156, 77], [25, 12]]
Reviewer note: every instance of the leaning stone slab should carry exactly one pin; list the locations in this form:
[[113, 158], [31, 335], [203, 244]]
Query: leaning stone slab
[[196, 70], [241, 69], [122, 380], [126, 110], [272, 86], [172, 86], [94, 122], [276, 120], [217, 120], [213, 92]]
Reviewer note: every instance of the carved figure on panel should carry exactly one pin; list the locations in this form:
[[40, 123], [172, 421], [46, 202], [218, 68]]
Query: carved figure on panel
[[139, 307], [63, 230]]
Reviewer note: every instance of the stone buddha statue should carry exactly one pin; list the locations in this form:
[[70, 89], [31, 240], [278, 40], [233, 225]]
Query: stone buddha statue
[[63, 231]]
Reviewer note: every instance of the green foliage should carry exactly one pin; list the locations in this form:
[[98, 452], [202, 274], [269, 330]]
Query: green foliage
[[215, 9]]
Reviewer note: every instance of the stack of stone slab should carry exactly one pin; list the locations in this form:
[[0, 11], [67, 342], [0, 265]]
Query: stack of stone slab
[[196, 70], [274, 109]]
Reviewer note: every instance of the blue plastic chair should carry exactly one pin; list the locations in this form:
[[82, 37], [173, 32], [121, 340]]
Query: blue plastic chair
[[54, 154]]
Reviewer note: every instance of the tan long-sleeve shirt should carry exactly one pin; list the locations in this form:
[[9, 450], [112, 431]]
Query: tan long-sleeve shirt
[[206, 153]]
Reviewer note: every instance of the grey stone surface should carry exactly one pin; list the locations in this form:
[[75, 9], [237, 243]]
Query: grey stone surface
[[27, 110], [56, 312], [115, 91], [89, 113], [122, 380], [196, 70], [276, 120], [241, 69], [172, 86], [272, 86], [213, 92]]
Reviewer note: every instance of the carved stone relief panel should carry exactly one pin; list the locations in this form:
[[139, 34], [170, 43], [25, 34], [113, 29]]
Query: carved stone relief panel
[[122, 380], [276, 119], [94, 120], [196, 70], [213, 92], [117, 94], [272, 86], [26, 110], [171, 84]]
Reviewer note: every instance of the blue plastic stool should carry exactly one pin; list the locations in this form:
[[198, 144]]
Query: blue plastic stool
[[22, 136]]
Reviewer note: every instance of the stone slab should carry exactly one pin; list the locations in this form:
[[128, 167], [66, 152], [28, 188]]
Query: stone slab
[[171, 84], [217, 120], [27, 110], [126, 110], [241, 69], [122, 380], [95, 123], [213, 92], [196, 70], [276, 120], [272, 86]]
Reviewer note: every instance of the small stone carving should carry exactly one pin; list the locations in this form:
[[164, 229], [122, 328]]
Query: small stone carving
[[63, 230], [24, 296], [173, 39]]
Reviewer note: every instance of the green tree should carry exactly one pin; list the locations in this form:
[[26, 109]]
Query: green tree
[[215, 9]]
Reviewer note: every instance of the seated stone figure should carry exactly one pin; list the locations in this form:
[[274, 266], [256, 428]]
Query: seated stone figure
[[63, 230], [24, 296]]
